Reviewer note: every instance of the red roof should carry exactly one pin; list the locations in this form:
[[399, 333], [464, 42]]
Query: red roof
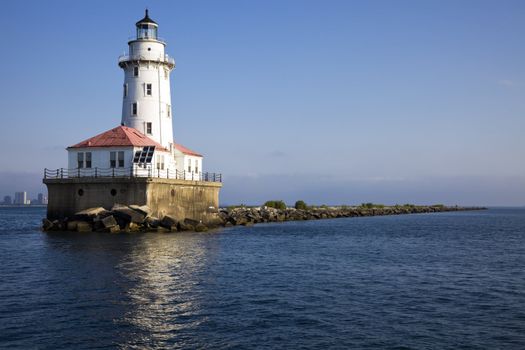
[[186, 150], [118, 137]]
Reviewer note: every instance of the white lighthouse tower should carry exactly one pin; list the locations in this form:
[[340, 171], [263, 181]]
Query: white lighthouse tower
[[146, 104]]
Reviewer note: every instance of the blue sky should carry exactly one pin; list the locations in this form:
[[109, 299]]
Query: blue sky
[[327, 101]]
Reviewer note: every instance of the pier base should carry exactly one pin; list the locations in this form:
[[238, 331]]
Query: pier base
[[180, 199]]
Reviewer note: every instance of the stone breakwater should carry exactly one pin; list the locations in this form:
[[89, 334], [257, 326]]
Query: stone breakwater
[[134, 218], [250, 216]]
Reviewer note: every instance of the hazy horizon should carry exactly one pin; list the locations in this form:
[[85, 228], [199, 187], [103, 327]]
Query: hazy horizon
[[337, 102]]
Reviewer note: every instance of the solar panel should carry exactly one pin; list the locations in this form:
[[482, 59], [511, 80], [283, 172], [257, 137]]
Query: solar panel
[[145, 156]]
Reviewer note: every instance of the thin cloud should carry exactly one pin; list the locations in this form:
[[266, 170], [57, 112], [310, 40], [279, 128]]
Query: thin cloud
[[507, 82]]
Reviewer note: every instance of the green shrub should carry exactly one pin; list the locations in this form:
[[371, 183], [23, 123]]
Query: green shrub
[[277, 204], [372, 205], [300, 204]]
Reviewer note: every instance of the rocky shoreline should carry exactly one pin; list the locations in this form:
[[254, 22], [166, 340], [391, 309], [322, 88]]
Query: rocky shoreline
[[135, 218]]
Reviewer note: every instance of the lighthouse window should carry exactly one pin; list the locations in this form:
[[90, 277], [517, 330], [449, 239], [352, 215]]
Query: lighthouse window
[[148, 128], [168, 108], [80, 158], [136, 71], [166, 74], [134, 108], [88, 159], [148, 89], [125, 90]]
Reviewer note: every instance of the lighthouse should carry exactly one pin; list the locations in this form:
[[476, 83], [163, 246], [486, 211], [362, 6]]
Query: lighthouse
[[144, 140], [146, 98], [138, 161]]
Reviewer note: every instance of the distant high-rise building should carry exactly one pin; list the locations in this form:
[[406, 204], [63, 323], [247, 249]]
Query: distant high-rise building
[[21, 198], [41, 199], [8, 200]]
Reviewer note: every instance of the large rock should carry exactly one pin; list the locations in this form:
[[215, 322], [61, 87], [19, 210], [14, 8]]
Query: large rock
[[182, 226], [83, 226], [113, 229], [128, 214], [200, 227], [168, 222], [72, 225], [133, 227], [89, 214], [91, 211], [47, 225], [109, 221], [144, 209], [152, 222], [191, 222], [57, 226]]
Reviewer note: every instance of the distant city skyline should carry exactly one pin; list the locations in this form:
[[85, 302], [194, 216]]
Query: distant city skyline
[[330, 102], [22, 198]]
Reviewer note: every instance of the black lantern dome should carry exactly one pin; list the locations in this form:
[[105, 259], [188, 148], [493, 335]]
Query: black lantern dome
[[147, 28]]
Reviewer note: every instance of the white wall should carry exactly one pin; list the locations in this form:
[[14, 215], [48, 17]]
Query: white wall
[[100, 159], [100, 156], [183, 162], [155, 109]]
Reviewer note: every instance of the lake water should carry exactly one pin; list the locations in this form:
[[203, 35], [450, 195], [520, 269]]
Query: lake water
[[426, 281]]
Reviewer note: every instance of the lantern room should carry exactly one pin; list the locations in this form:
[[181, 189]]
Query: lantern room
[[147, 28]]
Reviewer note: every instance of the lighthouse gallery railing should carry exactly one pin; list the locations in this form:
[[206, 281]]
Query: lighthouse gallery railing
[[64, 173]]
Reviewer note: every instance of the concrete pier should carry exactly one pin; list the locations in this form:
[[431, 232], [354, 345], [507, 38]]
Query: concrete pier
[[180, 199]]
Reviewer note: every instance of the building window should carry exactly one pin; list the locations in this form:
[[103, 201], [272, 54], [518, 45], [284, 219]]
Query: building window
[[196, 166], [148, 128], [134, 108], [121, 159], [88, 159], [80, 159], [189, 165], [149, 90], [116, 159], [160, 162], [125, 90], [168, 109], [112, 159], [136, 71]]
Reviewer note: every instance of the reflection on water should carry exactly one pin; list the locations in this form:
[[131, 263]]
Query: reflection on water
[[166, 283], [148, 287]]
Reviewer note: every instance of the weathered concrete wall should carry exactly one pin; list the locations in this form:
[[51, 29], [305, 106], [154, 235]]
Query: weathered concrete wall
[[177, 198], [184, 199]]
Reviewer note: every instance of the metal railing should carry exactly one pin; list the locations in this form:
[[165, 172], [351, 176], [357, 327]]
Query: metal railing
[[166, 58], [158, 38], [135, 171]]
